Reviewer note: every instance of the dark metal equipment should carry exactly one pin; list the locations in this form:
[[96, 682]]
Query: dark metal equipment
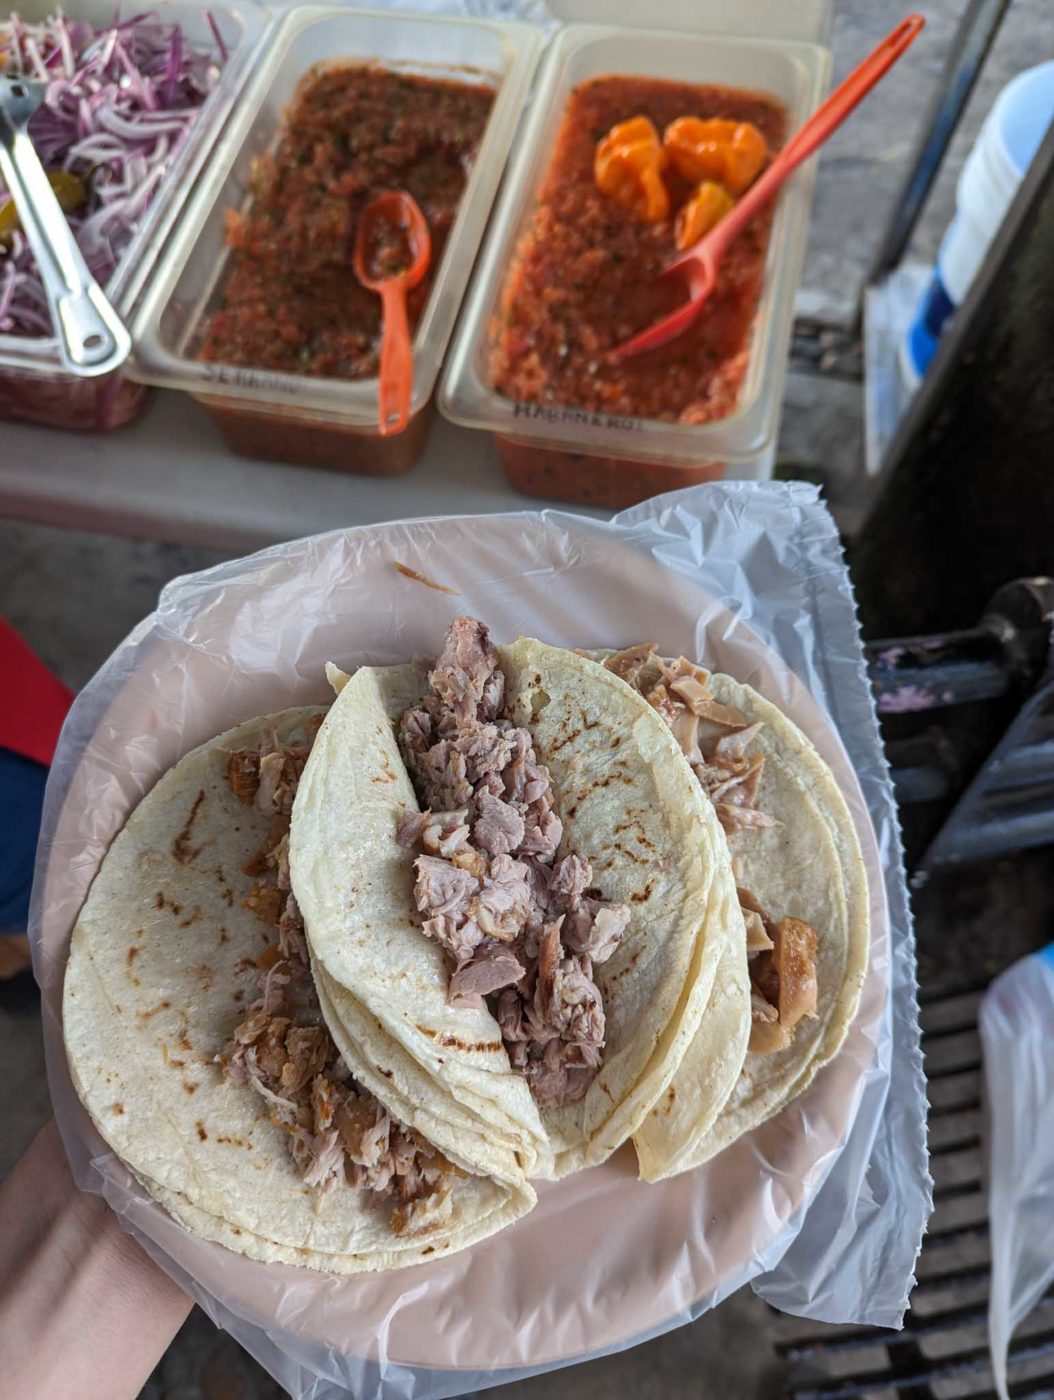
[[941, 1351], [969, 721]]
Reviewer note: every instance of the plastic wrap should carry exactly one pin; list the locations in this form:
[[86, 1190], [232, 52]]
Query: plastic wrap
[[1016, 1017], [823, 1207]]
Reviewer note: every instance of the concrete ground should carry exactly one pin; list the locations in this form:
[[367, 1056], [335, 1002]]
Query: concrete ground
[[74, 596]]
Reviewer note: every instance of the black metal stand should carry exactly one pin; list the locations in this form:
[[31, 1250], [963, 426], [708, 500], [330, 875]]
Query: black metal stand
[[992, 774]]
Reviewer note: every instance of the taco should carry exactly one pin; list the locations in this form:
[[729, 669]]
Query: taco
[[200, 1045], [802, 889], [506, 868]]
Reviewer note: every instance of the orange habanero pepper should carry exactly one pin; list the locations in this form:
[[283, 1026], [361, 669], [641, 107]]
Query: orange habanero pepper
[[706, 207], [628, 168], [732, 153]]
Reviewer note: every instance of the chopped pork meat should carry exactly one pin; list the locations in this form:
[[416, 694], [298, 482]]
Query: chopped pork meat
[[739, 789], [732, 748], [500, 907], [267, 777], [783, 984], [443, 888], [685, 726], [243, 774], [486, 883], [443, 833], [499, 827], [561, 1073], [510, 1016], [795, 954], [465, 677], [492, 966], [487, 749], [713, 737], [596, 931], [460, 940], [543, 833], [575, 1007], [292, 943], [734, 817], [572, 876], [339, 1134], [782, 956], [629, 663], [758, 940]]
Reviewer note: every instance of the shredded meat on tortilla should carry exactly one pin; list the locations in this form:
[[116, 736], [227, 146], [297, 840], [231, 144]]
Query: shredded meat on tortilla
[[339, 1134], [715, 739], [783, 986], [519, 926]]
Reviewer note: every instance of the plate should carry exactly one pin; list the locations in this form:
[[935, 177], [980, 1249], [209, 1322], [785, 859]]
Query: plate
[[604, 1259]]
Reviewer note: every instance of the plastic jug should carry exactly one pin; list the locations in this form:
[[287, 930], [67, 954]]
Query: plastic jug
[[1017, 1035], [1007, 142]]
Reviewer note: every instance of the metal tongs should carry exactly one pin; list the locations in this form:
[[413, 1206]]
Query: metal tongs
[[92, 338], [698, 265]]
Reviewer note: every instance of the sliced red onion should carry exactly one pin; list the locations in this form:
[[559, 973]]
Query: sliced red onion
[[119, 104]]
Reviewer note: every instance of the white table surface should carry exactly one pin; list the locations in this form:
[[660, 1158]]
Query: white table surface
[[170, 477]]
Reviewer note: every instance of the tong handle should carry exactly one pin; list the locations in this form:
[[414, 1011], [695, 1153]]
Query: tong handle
[[92, 338]]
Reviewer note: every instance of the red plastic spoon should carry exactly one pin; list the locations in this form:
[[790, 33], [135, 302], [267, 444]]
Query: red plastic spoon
[[699, 264], [400, 210]]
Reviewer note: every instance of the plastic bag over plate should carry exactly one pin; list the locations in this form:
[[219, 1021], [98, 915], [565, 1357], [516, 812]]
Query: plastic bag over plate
[[1016, 1018], [823, 1208]]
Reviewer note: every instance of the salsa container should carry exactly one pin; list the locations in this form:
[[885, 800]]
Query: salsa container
[[601, 459], [34, 386], [301, 418]]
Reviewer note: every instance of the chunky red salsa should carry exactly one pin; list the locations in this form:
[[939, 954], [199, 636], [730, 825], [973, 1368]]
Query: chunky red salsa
[[583, 277], [291, 301]]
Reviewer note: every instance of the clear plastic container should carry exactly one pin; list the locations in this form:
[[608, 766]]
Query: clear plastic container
[[301, 418], [598, 459], [34, 386]]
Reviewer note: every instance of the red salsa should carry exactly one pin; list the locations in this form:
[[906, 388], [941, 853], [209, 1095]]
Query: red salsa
[[291, 301], [583, 277]]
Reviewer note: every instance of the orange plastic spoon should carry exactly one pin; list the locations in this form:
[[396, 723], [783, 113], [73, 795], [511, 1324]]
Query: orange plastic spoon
[[400, 209], [699, 264]]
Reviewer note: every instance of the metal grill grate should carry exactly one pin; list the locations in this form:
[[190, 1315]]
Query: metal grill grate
[[941, 1353]]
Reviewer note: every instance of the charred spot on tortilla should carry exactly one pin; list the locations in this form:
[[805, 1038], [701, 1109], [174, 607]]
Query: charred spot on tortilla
[[118, 1108], [202, 1134], [205, 975], [181, 850]]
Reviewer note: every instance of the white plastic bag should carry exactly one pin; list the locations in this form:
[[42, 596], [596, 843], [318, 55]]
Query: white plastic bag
[[823, 1208], [1017, 1035]]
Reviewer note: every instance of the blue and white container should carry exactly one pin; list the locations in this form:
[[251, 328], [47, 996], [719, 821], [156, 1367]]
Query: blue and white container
[[1004, 149]]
